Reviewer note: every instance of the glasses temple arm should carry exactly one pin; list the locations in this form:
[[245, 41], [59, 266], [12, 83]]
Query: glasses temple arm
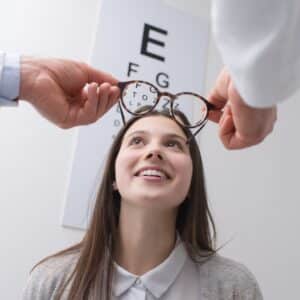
[[122, 114], [196, 132]]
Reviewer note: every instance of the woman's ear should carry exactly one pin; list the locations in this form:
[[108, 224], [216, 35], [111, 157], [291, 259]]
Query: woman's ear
[[114, 185]]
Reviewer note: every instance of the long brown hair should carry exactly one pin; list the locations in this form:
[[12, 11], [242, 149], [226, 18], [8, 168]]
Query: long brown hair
[[92, 275]]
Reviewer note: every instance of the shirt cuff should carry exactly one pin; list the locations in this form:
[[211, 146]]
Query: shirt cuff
[[10, 80]]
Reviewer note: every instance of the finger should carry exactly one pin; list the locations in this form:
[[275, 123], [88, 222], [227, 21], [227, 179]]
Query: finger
[[84, 92], [99, 76], [218, 96], [225, 112], [114, 95], [86, 114], [71, 117], [103, 99], [230, 137], [90, 105], [112, 98], [215, 115], [227, 132], [217, 99]]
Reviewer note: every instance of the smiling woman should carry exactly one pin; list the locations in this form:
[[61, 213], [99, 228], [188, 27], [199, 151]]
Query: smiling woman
[[157, 145], [151, 235]]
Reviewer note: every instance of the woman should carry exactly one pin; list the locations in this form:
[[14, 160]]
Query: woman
[[151, 235]]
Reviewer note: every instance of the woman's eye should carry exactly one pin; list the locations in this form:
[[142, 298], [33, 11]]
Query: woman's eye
[[135, 141], [174, 144]]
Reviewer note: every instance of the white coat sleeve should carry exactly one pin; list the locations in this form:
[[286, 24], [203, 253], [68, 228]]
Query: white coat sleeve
[[259, 41]]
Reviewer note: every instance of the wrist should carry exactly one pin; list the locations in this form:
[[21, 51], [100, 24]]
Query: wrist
[[30, 69]]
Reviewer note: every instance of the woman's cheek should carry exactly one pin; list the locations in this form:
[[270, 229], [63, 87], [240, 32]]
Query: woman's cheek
[[126, 164], [187, 170]]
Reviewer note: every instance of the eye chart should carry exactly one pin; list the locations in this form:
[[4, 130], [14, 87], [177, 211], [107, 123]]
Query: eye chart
[[134, 40]]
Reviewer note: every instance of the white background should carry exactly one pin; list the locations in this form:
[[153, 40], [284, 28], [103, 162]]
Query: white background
[[254, 193]]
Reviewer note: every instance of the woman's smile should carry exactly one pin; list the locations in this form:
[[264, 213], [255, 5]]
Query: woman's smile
[[152, 178]]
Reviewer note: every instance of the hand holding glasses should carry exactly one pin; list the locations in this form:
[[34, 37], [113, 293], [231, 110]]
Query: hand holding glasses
[[140, 93]]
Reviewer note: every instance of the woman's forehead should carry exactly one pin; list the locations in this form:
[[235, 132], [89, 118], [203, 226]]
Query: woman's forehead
[[156, 125]]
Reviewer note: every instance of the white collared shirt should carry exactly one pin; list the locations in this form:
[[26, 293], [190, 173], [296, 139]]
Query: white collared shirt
[[153, 284], [176, 278]]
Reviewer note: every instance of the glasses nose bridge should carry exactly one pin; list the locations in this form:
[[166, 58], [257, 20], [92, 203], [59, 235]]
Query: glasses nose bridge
[[167, 94]]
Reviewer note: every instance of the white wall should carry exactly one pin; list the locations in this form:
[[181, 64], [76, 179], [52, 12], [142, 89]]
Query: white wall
[[254, 192]]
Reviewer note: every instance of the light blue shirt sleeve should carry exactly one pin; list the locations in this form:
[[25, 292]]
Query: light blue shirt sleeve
[[9, 79]]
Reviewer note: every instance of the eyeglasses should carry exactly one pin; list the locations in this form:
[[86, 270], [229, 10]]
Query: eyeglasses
[[137, 93]]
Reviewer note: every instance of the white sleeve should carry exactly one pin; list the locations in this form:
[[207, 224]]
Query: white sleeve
[[259, 41]]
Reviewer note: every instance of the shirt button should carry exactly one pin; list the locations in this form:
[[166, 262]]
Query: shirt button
[[138, 282]]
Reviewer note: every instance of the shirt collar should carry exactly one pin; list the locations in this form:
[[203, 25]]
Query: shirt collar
[[157, 280]]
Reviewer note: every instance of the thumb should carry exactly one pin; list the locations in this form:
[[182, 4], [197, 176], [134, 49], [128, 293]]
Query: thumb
[[99, 77], [218, 95]]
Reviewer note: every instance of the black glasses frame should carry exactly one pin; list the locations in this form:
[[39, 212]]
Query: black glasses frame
[[122, 86]]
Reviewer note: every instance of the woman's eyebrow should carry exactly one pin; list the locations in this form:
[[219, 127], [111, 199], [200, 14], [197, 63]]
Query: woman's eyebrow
[[135, 132]]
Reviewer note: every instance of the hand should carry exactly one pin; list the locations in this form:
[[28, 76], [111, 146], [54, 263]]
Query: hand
[[240, 125], [55, 87]]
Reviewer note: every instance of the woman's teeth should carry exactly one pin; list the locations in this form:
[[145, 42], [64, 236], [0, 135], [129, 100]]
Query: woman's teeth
[[155, 173]]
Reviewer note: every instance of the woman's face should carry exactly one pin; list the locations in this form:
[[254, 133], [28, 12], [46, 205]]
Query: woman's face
[[153, 167]]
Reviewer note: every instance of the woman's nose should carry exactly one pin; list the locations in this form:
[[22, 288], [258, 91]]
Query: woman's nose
[[154, 154]]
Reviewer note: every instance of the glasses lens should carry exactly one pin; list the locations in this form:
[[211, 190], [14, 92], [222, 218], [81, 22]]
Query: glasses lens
[[198, 106], [139, 94]]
